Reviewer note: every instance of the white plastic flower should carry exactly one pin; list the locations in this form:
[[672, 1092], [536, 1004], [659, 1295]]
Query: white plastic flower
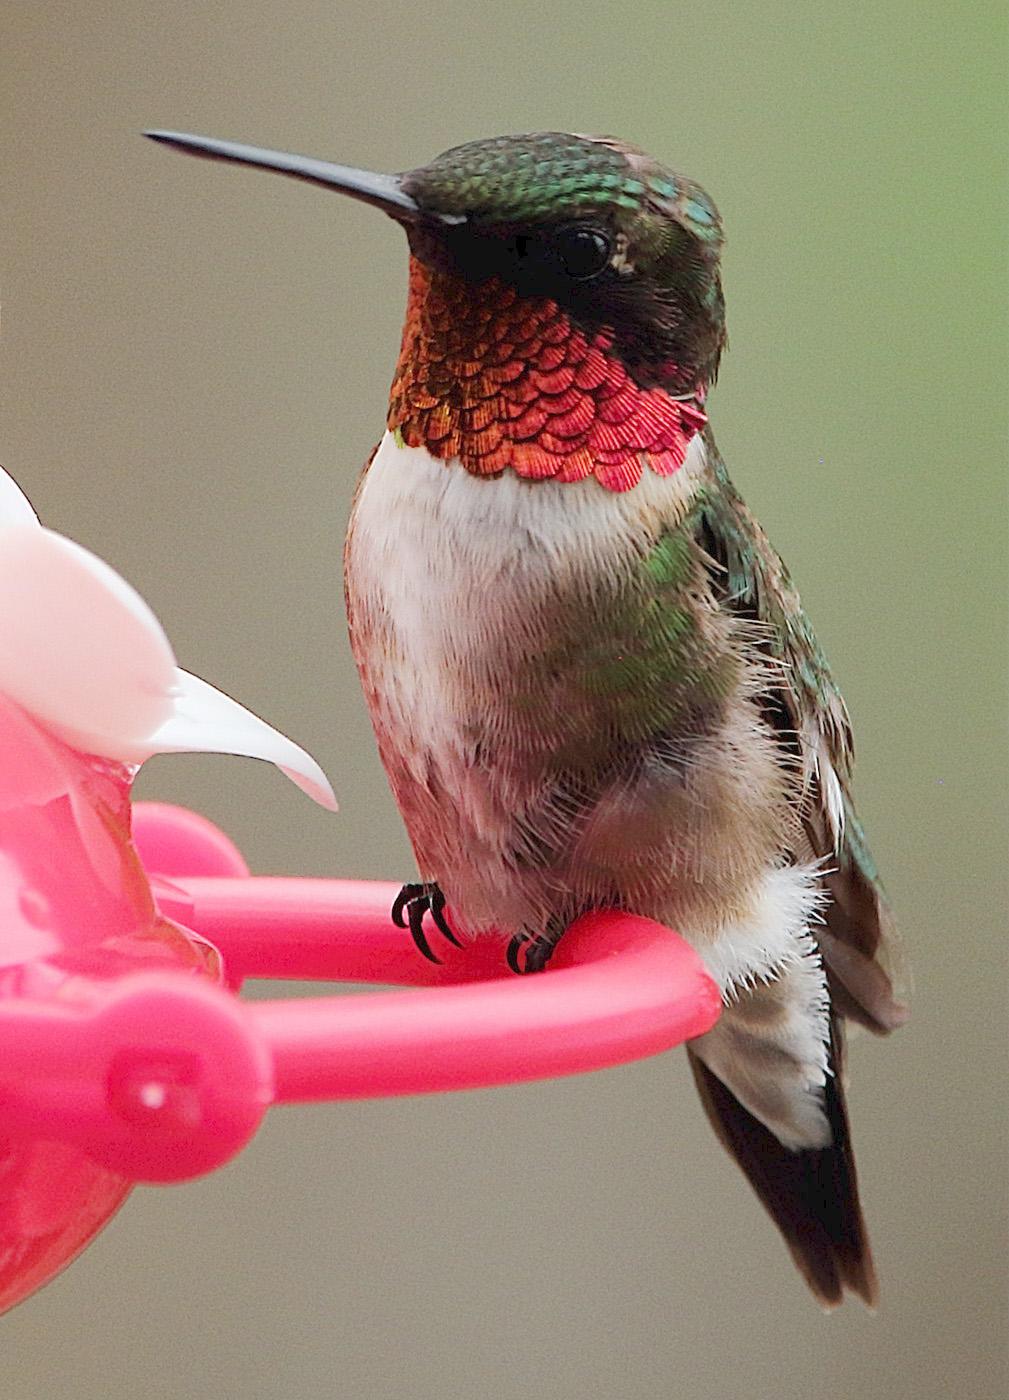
[[82, 652]]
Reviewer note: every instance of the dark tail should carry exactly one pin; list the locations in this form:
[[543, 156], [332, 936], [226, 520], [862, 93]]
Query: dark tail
[[811, 1195]]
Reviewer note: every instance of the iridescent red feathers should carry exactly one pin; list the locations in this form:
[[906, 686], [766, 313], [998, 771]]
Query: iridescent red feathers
[[504, 382]]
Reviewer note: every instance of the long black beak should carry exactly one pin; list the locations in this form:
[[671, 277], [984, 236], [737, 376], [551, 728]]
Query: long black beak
[[384, 191]]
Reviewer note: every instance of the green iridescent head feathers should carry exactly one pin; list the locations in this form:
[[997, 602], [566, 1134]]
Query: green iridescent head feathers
[[514, 203], [555, 174]]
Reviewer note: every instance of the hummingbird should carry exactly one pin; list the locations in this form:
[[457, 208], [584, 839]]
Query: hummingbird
[[590, 676]]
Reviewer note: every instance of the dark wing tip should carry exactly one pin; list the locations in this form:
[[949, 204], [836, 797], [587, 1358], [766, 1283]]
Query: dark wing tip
[[811, 1195]]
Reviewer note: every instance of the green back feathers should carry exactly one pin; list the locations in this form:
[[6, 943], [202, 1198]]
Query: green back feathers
[[756, 584]]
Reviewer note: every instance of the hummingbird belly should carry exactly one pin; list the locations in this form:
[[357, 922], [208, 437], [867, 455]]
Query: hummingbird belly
[[565, 716]]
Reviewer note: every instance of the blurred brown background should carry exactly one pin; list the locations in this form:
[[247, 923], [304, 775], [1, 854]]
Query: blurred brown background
[[194, 362]]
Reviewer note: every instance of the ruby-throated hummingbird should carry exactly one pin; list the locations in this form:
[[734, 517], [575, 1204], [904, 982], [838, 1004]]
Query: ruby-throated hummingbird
[[590, 676]]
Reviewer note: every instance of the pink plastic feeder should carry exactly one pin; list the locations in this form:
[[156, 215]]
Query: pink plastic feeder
[[124, 1061], [619, 987], [125, 935], [78, 920]]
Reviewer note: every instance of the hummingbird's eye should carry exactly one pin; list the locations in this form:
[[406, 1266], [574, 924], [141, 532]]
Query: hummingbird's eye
[[583, 252]]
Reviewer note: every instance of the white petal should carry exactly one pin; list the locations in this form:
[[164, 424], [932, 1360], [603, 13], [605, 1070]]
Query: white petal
[[206, 720], [79, 648], [15, 508]]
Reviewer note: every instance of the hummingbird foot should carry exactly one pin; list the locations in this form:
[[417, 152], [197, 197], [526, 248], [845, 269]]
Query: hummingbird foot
[[415, 901], [529, 952]]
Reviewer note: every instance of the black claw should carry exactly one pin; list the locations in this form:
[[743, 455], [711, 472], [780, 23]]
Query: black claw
[[513, 952], [405, 897], [416, 908], [538, 949], [437, 907], [415, 901]]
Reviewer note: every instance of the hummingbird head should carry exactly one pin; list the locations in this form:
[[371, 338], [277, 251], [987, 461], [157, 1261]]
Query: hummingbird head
[[565, 314], [622, 244]]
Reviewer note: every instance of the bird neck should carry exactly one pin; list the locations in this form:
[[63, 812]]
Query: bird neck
[[502, 382]]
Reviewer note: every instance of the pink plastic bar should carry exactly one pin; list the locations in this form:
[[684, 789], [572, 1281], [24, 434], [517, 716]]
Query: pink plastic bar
[[161, 1075], [156, 1076], [619, 988], [629, 990]]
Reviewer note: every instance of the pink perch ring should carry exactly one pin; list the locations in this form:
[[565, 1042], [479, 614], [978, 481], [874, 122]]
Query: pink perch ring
[[163, 1076]]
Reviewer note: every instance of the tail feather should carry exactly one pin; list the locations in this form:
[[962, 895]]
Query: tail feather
[[811, 1194]]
